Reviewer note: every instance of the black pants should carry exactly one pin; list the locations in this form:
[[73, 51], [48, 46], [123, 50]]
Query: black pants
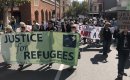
[[84, 39], [123, 57], [106, 47]]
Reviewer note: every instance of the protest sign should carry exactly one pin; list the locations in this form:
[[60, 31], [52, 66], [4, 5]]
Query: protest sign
[[124, 19], [95, 33], [40, 48], [87, 31], [84, 30]]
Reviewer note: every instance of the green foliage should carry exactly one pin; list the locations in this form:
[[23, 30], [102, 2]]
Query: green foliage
[[10, 3], [77, 9], [128, 7]]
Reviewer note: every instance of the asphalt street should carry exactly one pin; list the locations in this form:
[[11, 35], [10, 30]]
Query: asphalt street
[[90, 67]]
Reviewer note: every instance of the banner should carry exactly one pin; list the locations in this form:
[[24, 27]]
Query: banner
[[95, 33], [40, 48], [124, 19], [91, 32]]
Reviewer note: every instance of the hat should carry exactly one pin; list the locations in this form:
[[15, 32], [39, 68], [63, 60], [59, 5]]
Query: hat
[[8, 27], [22, 24], [107, 23]]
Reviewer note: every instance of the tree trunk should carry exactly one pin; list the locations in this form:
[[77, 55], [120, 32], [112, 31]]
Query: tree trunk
[[5, 18]]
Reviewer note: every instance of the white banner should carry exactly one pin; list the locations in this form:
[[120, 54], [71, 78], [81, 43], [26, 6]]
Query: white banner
[[91, 32]]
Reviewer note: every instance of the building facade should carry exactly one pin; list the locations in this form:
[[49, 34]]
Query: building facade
[[39, 10], [95, 7]]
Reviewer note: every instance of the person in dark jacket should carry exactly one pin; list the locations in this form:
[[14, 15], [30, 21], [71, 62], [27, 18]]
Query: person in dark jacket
[[68, 26], [106, 37], [63, 27], [123, 48], [50, 26], [116, 31], [42, 26], [35, 26]]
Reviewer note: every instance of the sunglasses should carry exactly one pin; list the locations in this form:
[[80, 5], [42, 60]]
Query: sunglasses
[[22, 27]]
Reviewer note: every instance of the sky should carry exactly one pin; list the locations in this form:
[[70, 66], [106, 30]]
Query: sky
[[78, 0]]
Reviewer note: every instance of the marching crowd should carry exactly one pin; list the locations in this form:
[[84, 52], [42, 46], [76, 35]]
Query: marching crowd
[[122, 37]]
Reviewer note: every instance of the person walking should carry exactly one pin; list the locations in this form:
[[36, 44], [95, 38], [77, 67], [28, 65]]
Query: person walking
[[35, 26], [106, 37], [23, 28], [50, 28], [8, 30], [68, 26], [63, 27], [42, 27], [13, 22], [123, 48], [74, 30]]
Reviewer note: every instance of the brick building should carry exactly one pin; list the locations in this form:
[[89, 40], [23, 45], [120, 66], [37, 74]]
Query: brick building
[[39, 10]]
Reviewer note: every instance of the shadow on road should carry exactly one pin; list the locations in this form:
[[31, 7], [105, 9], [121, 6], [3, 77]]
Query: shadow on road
[[2, 64], [98, 58], [66, 73], [42, 73], [45, 74], [89, 48], [42, 67]]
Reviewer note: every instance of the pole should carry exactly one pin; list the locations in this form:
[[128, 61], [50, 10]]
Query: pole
[[89, 6], [55, 11]]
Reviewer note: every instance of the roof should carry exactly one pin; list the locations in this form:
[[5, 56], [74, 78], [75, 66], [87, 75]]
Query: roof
[[114, 9]]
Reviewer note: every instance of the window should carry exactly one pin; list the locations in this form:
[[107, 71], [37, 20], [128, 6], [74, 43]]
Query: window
[[46, 16], [95, 8], [36, 16], [42, 15], [100, 7], [49, 15], [36, 2]]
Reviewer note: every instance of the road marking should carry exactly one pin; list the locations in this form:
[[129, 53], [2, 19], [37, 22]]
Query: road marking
[[59, 72]]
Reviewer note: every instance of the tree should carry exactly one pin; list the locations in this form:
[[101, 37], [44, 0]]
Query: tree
[[128, 6], [78, 9], [6, 4]]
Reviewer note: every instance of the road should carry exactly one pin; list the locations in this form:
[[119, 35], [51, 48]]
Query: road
[[90, 67]]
